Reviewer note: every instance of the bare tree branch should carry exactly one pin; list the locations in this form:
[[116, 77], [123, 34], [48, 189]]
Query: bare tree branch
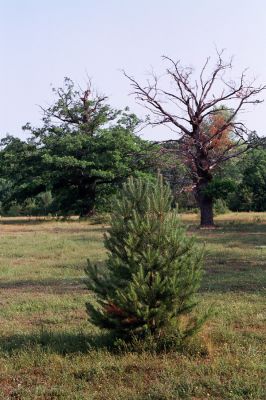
[[207, 118]]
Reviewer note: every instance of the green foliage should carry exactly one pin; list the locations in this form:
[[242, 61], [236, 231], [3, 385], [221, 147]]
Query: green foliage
[[29, 206], [13, 210], [22, 171], [45, 199], [83, 144], [220, 207], [219, 188], [251, 192], [153, 270]]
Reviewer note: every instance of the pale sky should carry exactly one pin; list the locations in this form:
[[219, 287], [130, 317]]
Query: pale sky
[[42, 41]]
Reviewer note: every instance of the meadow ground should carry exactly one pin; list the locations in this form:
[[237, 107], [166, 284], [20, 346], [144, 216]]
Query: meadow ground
[[49, 350]]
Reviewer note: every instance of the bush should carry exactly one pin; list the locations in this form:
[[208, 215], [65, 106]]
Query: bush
[[14, 210], [153, 270], [220, 207]]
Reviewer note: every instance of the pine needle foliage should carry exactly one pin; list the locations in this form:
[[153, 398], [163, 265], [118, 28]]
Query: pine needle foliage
[[153, 270]]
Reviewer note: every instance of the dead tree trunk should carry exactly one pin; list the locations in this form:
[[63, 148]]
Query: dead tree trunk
[[205, 204], [204, 116]]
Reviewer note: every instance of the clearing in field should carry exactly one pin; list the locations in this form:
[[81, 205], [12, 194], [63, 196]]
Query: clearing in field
[[49, 350]]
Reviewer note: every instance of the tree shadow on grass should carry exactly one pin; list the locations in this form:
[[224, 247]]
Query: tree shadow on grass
[[24, 221], [92, 226], [235, 228], [55, 286], [254, 240], [57, 342], [241, 278], [221, 276]]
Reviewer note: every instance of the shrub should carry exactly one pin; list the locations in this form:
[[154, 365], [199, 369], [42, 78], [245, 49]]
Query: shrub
[[220, 207]]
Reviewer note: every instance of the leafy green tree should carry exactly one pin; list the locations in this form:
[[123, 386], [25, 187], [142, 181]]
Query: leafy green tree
[[83, 151], [153, 269], [22, 171], [5, 188], [86, 144], [251, 191]]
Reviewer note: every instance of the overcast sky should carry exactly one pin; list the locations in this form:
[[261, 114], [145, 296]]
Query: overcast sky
[[42, 41]]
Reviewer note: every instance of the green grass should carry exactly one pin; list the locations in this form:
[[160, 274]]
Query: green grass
[[49, 350]]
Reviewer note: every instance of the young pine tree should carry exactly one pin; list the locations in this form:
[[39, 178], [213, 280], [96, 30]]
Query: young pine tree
[[153, 269]]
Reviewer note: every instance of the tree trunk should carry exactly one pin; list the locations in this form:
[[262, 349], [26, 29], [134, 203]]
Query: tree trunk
[[89, 199], [206, 212], [206, 207]]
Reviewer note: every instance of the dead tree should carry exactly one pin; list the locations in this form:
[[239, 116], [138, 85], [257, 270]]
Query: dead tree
[[204, 112]]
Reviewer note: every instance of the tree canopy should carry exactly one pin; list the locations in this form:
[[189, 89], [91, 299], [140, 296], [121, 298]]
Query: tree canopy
[[82, 145]]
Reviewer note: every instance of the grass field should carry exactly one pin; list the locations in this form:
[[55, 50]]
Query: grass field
[[49, 350]]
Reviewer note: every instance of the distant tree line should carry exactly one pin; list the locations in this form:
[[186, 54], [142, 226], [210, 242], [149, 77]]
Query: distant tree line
[[84, 150], [29, 185]]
